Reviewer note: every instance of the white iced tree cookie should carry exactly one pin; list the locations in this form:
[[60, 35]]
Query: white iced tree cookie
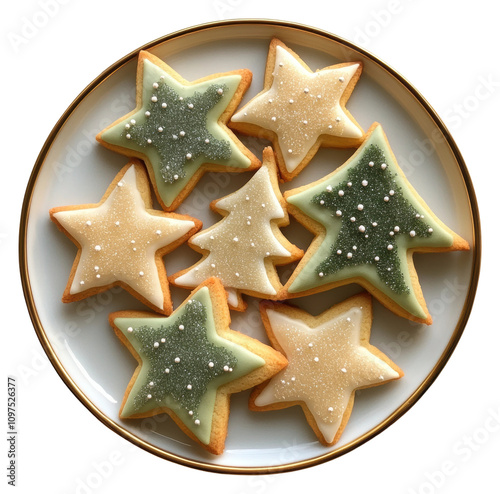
[[243, 249]]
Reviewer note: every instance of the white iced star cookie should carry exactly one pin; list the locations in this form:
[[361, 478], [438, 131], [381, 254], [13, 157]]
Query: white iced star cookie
[[329, 357], [300, 110], [121, 241]]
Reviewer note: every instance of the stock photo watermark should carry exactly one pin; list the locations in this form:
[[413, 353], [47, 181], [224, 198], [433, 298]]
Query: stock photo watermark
[[32, 24], [467, 447]]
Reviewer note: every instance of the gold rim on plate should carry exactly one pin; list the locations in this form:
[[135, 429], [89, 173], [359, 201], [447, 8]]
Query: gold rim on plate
[[409, 402]]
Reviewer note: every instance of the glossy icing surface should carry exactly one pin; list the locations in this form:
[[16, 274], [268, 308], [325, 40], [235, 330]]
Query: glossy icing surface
[[177, 127], [371, 219], [326, 364], [301, 105], [184, 362], [119, 240], [239, 244]]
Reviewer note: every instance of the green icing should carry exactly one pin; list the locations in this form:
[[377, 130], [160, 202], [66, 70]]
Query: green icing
[[177, 128], [205, 361], [371, 218]]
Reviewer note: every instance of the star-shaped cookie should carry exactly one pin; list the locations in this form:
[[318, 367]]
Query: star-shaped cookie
[[179, 128], [121, 241], [300, 110], [190, 363], [368, 222], [329, 357]]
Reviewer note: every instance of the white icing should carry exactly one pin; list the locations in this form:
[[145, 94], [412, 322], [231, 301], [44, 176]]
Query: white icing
[[239, 244], [326, 364], [300, 106], [119, 239]]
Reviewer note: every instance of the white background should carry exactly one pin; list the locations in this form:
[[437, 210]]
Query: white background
[[449, 442]]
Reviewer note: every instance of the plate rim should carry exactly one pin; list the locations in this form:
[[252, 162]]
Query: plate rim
[[214, 467]]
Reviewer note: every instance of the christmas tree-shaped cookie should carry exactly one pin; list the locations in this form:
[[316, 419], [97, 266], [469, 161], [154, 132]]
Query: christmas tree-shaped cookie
[[368, 222], [243, 249], [179, 128], [300, 110], [189, 364]]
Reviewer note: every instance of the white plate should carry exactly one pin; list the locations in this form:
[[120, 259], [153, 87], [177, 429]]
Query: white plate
[[73, 168]]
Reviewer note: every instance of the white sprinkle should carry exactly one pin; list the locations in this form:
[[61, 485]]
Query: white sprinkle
[[176, 177], [197, 422], [97, 248], [220, 91], [290, 101], [88, 223], [158, 232], [156, 344], [371, 164], [321, 274], [149, 141], [391, 192], [316, 359], [127, 126], [133, 122], [82, 282], [174, 137], [290, 151], [430, 230], [306, 90], [390, 247], [374, 223], [130, 329], [360, 207], [128, 136], [235, 239], [167, 371], [383, 166], [163, 340], [237, 275], [207, 141], [154, 99], [148, 114], [338, 212], [190, 106], [212, 265], [182, 133], [341, 79], [343, 369], [377, 258], [141, 273], [330, 409], [352, 218], [386, 198], [155, 85], [337, 119], [211, 364], [164, 105], [329, 188], [364, 183], [361, 228], [349, 255], [341, 193], [226, 368], [149, 397], [160, 129], [396, 229], [151, 384], [181, 326], [189, 156], [339, 252], [412, 233], [189, 386], [177, 360]]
